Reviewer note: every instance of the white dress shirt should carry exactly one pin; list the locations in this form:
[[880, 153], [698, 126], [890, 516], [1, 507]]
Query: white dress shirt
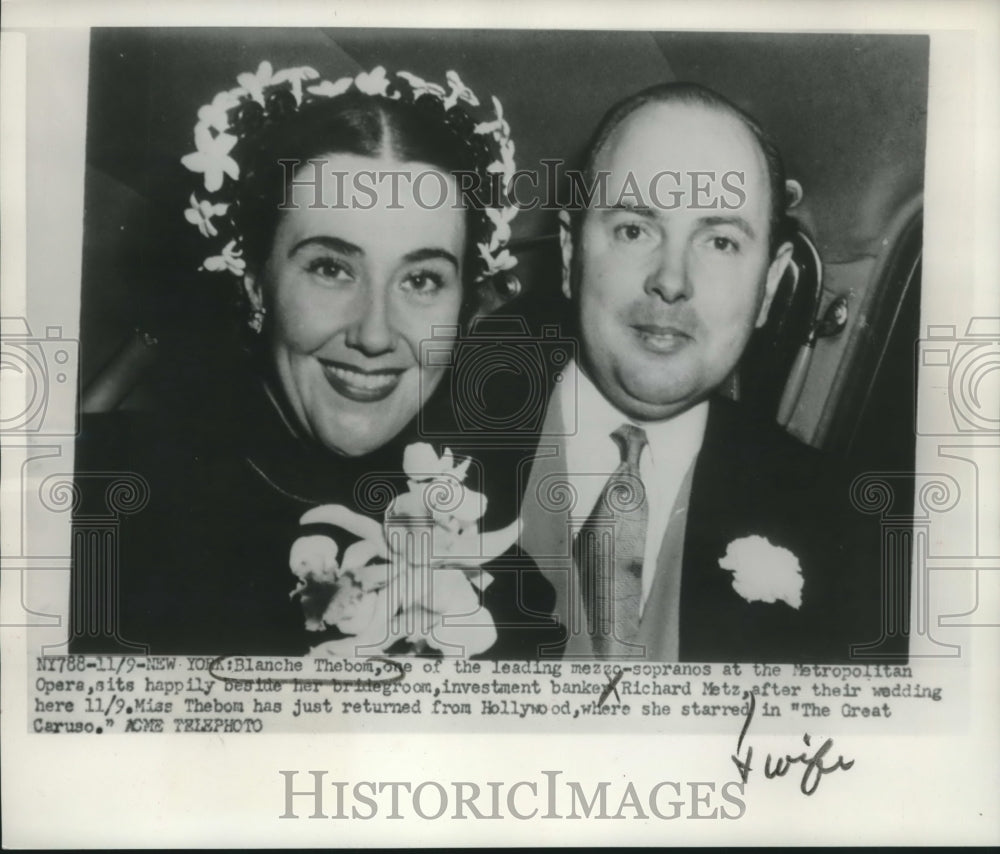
[[592, 455]]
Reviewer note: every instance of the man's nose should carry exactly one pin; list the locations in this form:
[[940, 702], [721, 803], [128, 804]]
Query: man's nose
[[372, 331], [668, 277]]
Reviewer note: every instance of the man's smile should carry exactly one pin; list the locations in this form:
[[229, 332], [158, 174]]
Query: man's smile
[[660, 338]]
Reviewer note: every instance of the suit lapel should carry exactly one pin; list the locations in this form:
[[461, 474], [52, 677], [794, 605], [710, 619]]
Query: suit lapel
[[708, 603], [734, 495], [659, 630]]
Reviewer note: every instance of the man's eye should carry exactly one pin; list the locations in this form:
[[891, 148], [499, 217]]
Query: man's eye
[[725, 244], [423, 283], [328, 268], [630, 232]]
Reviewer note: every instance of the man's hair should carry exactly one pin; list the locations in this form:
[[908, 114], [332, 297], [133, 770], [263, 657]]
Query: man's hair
[[695, 94]]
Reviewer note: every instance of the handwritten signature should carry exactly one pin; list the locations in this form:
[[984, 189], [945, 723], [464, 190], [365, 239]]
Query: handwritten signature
[[813, 766]]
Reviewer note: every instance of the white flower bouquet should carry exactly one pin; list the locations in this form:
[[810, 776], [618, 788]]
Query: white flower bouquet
[[413, 582]]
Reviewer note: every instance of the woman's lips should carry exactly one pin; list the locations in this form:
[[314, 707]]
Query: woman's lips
[[659, 338], [360, 385]]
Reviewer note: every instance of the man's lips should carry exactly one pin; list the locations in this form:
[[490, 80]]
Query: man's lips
[[358, 384], [661, 338]]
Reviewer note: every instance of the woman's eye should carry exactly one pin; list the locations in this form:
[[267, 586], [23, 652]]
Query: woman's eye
[[423, 283], [328, 268]]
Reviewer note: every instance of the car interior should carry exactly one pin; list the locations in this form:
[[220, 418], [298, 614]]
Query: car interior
[[835, 363]]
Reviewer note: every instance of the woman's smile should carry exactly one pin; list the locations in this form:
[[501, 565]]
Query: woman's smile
[[363, 386]]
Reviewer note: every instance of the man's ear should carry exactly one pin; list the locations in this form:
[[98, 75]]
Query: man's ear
[[566, 249], [777, 268]]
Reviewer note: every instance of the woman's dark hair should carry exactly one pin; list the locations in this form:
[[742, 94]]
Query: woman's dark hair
[[364, 125]]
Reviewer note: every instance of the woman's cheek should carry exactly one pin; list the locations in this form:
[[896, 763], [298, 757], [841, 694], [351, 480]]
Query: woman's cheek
[[308, 316], [423, 326]]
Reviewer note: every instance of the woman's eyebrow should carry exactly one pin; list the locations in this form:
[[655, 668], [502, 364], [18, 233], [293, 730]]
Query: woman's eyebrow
[[429, 254], [335, 243]]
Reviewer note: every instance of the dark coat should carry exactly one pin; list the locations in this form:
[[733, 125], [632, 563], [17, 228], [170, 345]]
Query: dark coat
[[203, 567], [751, 478]]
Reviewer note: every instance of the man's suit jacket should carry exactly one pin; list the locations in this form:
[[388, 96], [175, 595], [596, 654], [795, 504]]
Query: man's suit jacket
[[750, 478]]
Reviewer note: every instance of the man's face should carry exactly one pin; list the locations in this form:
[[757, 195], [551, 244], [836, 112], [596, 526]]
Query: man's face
[[668, 293]]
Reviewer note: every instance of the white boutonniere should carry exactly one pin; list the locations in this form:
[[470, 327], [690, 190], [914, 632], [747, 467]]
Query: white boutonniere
[[763, 572]]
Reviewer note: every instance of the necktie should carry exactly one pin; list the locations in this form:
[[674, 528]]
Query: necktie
[[609, 553]]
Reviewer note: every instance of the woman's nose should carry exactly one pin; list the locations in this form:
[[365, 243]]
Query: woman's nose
[[669, 277], [372, 332]]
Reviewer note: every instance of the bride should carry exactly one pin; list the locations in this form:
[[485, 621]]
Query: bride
[[341, 213]]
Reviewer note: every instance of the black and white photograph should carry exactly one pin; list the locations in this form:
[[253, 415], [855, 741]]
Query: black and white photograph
[[615, 389], [532, 423]]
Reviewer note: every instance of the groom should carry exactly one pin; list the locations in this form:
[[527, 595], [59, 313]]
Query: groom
[[672, 525]]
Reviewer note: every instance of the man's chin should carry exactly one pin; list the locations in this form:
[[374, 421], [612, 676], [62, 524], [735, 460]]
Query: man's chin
[[644, 403]]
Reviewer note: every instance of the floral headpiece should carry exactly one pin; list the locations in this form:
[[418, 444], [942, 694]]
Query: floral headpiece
[[267, 96]]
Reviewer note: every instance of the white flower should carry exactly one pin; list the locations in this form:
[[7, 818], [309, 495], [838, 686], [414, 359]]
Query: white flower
[[436, 490], [498, 127], [364, 617], [507, 158], [296, 76], [231, 259], [500, 217], [410, 504], [359, 559], [459, 92], [389, 587], [326, 89], [216, 114], [372, 82], [254, 82], [353, 611], [454, 508], [200, 214], [470, 509], [496, 263], [452, 617], [314, 557], [764, 572], [421, 462], [212, 157], [420, 86]]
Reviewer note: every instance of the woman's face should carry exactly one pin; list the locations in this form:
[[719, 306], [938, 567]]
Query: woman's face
[[351, 292]]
